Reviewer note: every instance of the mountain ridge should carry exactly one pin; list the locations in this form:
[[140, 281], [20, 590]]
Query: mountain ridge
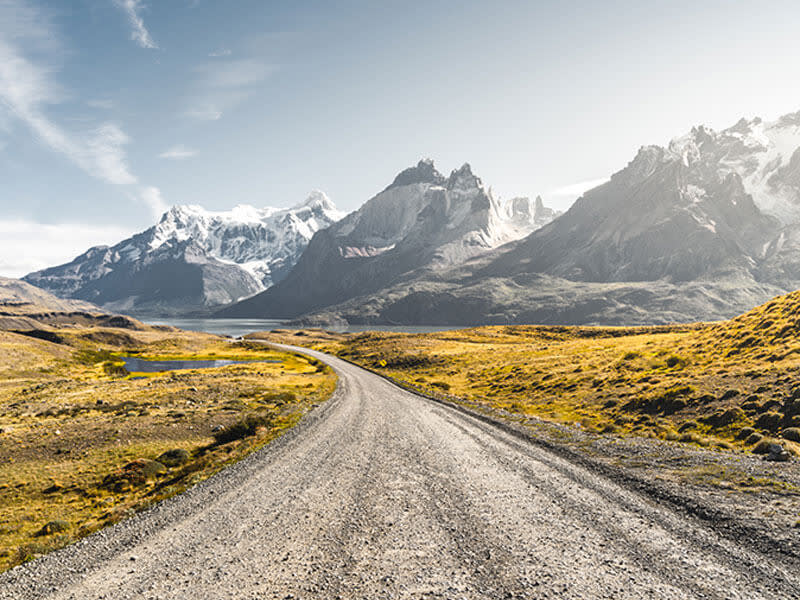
[[705, 227], [422, 221], [192, 259]]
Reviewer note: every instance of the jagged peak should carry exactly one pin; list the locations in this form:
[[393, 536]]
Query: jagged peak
[[463, 177], [317, 199], [182, 211], [423, 172]]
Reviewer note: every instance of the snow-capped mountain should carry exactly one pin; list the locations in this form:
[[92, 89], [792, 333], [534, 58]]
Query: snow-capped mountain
[[422, 221], [704, 227], [265, 242], [764, 154], [192, 258], [529, 216]]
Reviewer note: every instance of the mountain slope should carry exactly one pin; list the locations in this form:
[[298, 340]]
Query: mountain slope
[[192, 259], [421, 222], [20, 298], [703, 228]]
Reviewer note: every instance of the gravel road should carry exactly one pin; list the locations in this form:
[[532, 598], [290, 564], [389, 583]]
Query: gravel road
[[382, 494]]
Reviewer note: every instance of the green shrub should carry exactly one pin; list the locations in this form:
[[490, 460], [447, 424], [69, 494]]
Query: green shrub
[[278, 398], [675, 361], [57, 526], [244, 427]]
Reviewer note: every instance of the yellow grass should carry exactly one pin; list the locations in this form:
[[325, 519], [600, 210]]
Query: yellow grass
[[68, 420]]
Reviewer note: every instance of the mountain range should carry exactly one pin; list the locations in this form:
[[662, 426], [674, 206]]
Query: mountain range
[[422, 224], [192, 259], [705, 227]]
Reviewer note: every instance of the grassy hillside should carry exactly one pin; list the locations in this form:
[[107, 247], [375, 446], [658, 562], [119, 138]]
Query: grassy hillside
[[20, 298], [729, 384], [83, 443]]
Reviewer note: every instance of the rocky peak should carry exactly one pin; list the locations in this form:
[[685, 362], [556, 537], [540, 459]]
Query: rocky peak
[[423, 172], [463, 178], [317, 200]]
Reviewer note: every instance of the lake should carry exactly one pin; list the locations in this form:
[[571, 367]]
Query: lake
[[240, 327], [140, 365]]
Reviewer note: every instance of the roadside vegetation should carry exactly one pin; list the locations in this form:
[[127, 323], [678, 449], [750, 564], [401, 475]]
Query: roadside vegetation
[[728, 385], [84, 443]]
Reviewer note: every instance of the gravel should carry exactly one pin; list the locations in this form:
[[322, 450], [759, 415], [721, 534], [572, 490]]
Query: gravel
[[380, 493]]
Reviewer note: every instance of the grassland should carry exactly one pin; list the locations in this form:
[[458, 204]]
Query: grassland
[[84, 444], [730, 385]]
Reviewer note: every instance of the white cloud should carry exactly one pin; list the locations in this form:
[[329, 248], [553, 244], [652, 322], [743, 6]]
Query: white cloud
[[179, 152], [234, 73], [27, 88], [49, 245], [220, 52], [575, 190], [151, 196], [139, 33], [224, 84], [207, 113]]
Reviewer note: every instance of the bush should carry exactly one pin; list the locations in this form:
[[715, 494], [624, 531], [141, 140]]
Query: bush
[[244, 427], [745, 432], [769, 421], [278, 398], [56, 526], [753, 438], [724, 417], [136, 472], [115, 369], [174, 458], [675, 361], [791, 433], [765, 446], [442, 385]]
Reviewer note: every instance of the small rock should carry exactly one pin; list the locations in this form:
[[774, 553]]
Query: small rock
[[782, 456]]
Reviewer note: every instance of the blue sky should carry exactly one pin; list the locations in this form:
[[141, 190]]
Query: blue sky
[[112, 110]]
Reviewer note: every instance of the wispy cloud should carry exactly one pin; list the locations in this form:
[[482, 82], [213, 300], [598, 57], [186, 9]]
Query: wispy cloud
[[574, 190], [151, 196], [49, 245], [139, 33], [100, 103], [27, 87], [220, 52], [28, 90], [204, 113], [224, 84], [179, 152]]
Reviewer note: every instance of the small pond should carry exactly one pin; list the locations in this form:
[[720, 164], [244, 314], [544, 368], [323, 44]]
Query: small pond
[[141, 365]]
